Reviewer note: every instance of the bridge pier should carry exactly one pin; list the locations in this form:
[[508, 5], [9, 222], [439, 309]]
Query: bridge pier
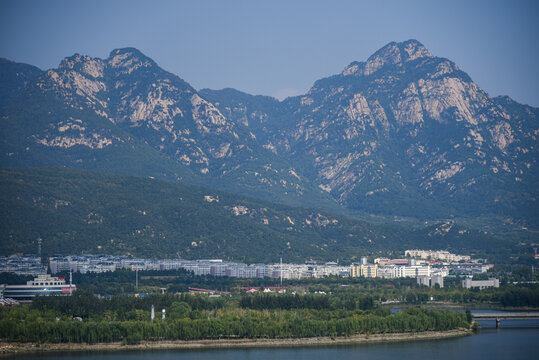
[[497, 323]]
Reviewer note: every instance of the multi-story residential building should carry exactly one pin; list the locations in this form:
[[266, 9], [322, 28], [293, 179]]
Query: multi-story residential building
[[169, 264], [386, 261], [262, 271], [469, 268], [387, 272], [59, 265], [215, 267], [394, 271], [437, 255], [364, 270], [481, 284], [22, 265], [218, 269], [414, 271], [431, 281]]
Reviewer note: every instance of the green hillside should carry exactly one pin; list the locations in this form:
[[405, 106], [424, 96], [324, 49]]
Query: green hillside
[[86, 212]]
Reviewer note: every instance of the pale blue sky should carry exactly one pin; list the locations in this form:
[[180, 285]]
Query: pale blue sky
[[278, 47]]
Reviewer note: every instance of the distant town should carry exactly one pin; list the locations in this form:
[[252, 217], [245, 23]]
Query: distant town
[[428, 266]]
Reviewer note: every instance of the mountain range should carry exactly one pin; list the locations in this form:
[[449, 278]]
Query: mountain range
[[404, 135]]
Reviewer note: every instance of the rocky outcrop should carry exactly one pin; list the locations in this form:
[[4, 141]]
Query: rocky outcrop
[[403, 133], [406, 127], [136, 100]]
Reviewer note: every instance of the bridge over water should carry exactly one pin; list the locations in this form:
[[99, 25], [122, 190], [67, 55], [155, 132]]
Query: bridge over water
[[505, 316]]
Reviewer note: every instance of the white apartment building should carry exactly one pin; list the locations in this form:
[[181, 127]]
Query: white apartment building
[[393, 271], [436, 255], [481, 284]]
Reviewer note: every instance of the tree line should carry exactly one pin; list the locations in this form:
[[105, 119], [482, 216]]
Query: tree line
[[308, 301], [244, 324], [87, 306]]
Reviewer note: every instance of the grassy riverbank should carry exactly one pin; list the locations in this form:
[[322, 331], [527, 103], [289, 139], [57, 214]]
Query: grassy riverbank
[[7, 349]]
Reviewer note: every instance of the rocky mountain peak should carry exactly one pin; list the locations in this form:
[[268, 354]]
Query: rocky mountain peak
[[84, 64], [127, 60], [71, 61], [413, 49], [392, 54]]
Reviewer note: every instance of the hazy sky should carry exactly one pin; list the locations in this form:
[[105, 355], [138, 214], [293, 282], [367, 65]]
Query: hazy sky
[[280, 48]]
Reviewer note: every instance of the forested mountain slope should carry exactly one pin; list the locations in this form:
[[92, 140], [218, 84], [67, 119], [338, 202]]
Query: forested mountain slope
[[79, 211]]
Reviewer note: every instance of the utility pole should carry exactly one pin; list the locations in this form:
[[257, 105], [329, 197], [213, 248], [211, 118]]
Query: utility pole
[[70, 281], [136, 277], [39, 240], [281, 270]]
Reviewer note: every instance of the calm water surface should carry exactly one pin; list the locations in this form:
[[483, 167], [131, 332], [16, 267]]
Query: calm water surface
[[516, 339]]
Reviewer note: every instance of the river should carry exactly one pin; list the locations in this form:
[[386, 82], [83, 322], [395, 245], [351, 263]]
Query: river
[[515, 339]]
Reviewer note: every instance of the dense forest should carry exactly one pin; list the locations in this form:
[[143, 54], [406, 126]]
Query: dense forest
[[86, 212], [83, 318]]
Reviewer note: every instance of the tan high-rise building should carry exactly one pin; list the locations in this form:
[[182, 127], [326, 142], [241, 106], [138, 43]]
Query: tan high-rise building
[[363, 270]]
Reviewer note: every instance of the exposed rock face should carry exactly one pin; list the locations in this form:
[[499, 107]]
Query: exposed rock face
[[403, 133], [135, 97], [131, 91], [391, 54], [406, 127], [79, 82], [73, 132]]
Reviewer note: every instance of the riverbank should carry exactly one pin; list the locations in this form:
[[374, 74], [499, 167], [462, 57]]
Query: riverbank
[[7, 349]]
